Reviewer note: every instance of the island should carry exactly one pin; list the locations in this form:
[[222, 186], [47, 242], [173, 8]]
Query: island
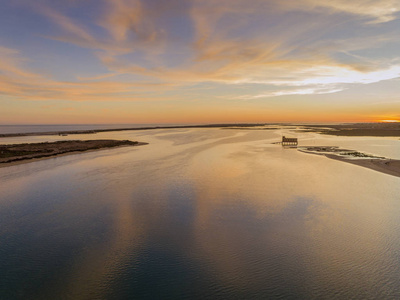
[[16, 153]]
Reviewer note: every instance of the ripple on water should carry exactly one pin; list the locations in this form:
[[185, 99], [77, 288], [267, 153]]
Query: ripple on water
[[201, 215]]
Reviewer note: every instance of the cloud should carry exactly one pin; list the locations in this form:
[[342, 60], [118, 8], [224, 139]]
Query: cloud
[[376, 10], [97, 77], [10, 64], [20, 82], [305, 91], [123, 17], [219, 54], [163, 45], [69, 25], [379, 11], [335, 75], [322, 80], [128, 21]]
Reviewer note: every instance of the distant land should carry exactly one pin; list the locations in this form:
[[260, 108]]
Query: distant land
[[19, 153], [377, 163], [348, 129], [358, 129]]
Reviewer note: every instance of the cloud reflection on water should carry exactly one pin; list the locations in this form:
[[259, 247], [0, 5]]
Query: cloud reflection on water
[[207, 212]]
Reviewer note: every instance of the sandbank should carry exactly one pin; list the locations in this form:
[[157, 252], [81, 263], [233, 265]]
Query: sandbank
[[23, 153], [380, 164]]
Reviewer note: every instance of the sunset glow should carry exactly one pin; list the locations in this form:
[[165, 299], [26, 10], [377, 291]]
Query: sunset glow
[[200, 61]]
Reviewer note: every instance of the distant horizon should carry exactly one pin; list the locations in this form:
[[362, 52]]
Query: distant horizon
[[194, 124]]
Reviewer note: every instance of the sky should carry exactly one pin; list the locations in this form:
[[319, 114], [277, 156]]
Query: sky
[[199, 61]]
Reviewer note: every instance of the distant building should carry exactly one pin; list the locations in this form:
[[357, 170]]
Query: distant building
[[289, 141]]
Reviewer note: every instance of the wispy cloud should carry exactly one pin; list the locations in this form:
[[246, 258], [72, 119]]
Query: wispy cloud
[[335, 75], [280, 44], [379, 11], [18, 81], [305, 91], [11, 65]]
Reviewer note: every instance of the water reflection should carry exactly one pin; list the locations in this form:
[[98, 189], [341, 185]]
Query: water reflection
[[199, 213]]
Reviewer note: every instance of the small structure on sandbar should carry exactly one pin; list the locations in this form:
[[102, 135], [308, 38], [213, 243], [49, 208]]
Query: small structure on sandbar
[[289, 141]]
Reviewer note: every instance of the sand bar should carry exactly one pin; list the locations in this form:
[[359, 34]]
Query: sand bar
[[380, 164], [21, 153]]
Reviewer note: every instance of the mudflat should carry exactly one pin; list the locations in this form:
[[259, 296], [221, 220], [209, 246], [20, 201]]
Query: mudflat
[[27, 152]]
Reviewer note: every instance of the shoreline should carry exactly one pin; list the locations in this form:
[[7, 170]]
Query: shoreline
[[387, 166], [380, 164], [92, 146]]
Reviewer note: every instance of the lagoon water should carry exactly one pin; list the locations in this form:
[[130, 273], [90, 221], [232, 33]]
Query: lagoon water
[[201, 214]]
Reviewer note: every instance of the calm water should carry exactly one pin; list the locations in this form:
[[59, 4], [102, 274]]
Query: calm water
[[201, 214]]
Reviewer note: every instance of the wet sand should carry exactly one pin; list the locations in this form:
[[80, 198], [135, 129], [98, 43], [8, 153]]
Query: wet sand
[[23, 153], [380, 164], [387, 166]]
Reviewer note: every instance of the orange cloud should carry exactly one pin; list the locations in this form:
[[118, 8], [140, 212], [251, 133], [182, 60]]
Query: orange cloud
[[232, 42], [16, 80]]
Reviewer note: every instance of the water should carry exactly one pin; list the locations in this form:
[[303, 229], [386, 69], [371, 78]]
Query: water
[[201, 214]]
